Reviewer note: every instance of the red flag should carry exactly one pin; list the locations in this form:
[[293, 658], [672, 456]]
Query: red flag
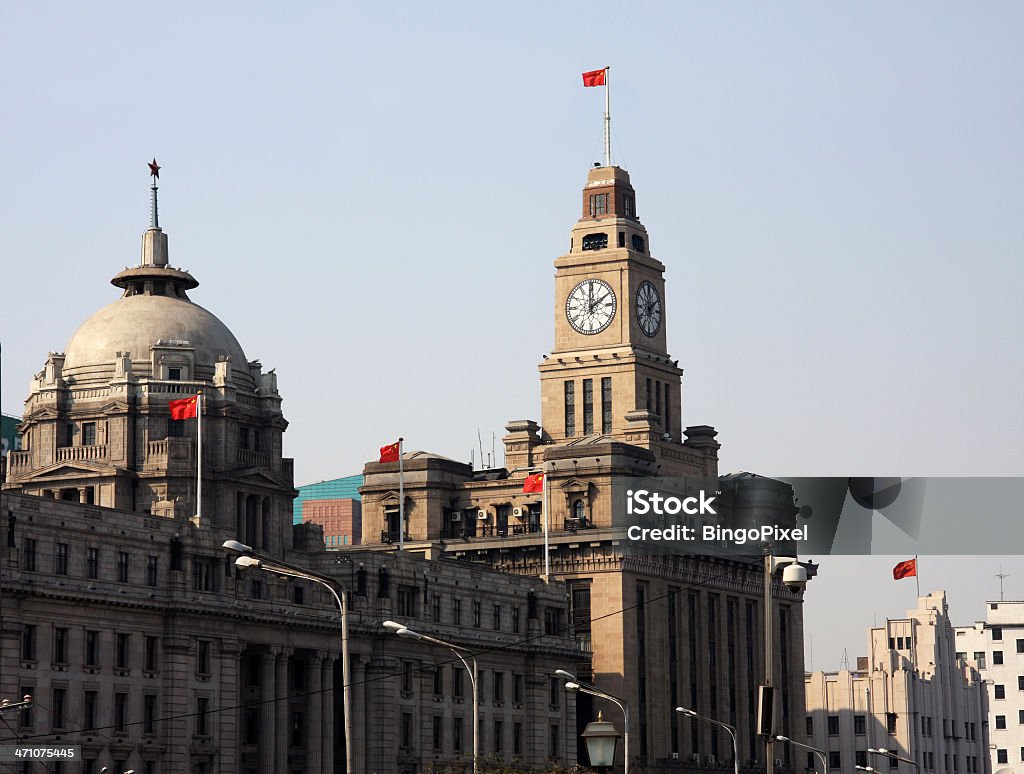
[[534, 483], [594, 77], [389, 453], [905, 569], [184, 408]]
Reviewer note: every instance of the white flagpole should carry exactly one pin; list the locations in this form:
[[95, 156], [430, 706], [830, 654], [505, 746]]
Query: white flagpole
[[917, 575], [401, 499], [607, 117], [199, 455], [546, 506]]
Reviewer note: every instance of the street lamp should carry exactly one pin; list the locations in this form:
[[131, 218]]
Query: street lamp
[[732, 734], [894, 755], [280, 568], [573, 684], [404, 631], [867, 768], [600, 736], [793, 577], [815, 750]]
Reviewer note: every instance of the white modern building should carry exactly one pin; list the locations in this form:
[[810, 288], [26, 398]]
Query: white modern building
[[910, 695], [995, 647]]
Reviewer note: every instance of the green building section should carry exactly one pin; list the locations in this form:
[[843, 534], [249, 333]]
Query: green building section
[[335, 489]]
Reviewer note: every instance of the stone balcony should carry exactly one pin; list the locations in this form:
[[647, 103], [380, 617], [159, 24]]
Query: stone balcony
[[77, 453], [248, 458], [169, 453], [19, 462]]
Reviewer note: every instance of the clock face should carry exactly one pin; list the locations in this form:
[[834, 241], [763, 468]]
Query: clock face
[[590, 306], [648, 308]]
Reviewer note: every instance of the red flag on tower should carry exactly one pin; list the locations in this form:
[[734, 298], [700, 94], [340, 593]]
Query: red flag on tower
[[594, 77], [534, 483], [390, 452], [905, 569], [184, 408]]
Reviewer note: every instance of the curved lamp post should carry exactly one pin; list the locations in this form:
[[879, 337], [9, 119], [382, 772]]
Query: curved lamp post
[[732, 733], [573, 683], [815, 750], [894, 755], [461, 653], [247, 559]]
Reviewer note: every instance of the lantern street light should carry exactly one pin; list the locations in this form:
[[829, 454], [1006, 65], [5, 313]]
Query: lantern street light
[[731, 731], [575, 684], [404, 631], [600, 736]]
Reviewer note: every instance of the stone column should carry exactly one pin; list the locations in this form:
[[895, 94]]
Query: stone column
[[267, 713], [327, 694], [256, 541], [83, 494], [314, 758], [281, 711], [229, 695]]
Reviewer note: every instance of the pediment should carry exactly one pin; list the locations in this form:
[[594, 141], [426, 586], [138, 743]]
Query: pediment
[[64, 470], [259, 478], [389, 498], [43, 415], [574, 484], [114, 407]]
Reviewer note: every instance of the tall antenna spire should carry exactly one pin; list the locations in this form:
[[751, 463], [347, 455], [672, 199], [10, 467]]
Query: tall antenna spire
[[1001, 575], [154, 215]]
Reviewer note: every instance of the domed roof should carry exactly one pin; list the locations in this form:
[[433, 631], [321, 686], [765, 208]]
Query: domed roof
[[135, 323]]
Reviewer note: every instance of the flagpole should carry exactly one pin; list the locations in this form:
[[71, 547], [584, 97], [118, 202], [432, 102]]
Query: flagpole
[[199, 456], [607, 117], [917, 576], [401, 499], [547, 510]]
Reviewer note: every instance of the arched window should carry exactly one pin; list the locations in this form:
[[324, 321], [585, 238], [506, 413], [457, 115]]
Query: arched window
[[578, 510], [595, 241]]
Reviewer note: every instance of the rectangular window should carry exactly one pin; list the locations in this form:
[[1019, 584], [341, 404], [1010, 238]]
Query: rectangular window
[[810, 726], [148, 714], [570, 409], [60, 645], [26, 718], [175, 428], [437, 728], [496, 618], [439, 680], [457, 611], [202, 716], [517, 738], [151, 570], [598, 204], [554, 692], [1000, 691], [1020, 682], [28, 642], [588, 407], [1001, 721], [406, 730], [997, 633], [58, 707], [60, 559], [657, 398], [457, 690], [152, 648], [28, 559], [834, 761], [120, 711], [174, 374], [553, 739], [499, 736], [860, 725], [606, 404], [406, 602], [979, 659], [890, 722], [89, 699], [1002, 756], [92, 563], [92, 648], [1020, 646], [122, 566], [435, 608], [833, 725], [88, 434], [203, 657], [517, 689], [997, 657], [407, 668], [515, 620], [1020, 716], [476, 614], [457, 734], [650, 402], [861, 756], [243, 437], [121, 651], [668, 411], [498, 686]]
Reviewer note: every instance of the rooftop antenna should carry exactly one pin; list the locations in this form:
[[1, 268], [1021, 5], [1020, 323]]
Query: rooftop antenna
[[1001, 575], [844, 662], [480, 444]]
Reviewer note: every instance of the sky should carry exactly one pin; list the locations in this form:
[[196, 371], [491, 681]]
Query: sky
[[372, 196]]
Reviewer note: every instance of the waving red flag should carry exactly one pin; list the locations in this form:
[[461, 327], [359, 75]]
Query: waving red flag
[[534, 483], [183, 408], [594, 77], [907, 569], [389, 453]]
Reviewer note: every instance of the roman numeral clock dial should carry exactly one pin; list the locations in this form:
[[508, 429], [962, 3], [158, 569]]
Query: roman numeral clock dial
[[648, 308], [590, 306]]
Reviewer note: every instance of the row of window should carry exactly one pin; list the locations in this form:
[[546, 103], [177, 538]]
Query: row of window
[[1002, 755], [927, 762], [499, 742], [860, 725], [660, 402], [93, 652], [62, 556], [588, 406], [599, 241], [459, 682], [600, 204]]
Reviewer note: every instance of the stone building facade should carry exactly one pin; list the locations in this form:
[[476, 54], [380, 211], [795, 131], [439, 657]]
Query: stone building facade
[[659, 631], [141, 641], [911, 695]]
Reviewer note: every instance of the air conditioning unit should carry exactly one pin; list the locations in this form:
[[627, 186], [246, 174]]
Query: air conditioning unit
[[481, 515], [517, 512], [675, 756], [711, 760], [456, 515]]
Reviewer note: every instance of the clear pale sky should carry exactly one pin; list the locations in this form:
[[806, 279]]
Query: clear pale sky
[[372, 195]]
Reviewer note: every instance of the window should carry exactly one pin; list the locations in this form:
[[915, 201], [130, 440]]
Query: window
[[60, 645], [997, 633], [69, 434], [92, 647], [515, 620], [175, 428], [457, 691], [121, 651], [1020, 682], [622, 239], [89, 710], [28, 559], [810, 726], [457, 734], [148, 713], [437, 735], [150, 661], [890, 722], [243, 438], [997, 657], [406, 602], [496, 618], [833, 725], [439, 680], [598, 205], [638, 243], [298, 594], [834, 760], [406, 730], [499, 736], [476, 614], [202, 716], [553, 738], [861, 757], [407, 677], [28, 642], [203, 657], [628, 207], [554, 692], [498, 686], [58, 707], [595, 241], [122, 566], [570, 409], [60, 559], [517, 738], [120, 711], [1001, 756], [1020, 646], [588, 407], [979, 659], [151, 570], [88, 434], [435, 608], [606, 404], [1000, 691], [174, 375], [92, 562], [1001, 721], [26, 718]]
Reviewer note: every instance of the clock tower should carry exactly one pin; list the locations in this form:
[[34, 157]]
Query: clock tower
[[609, 373]]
